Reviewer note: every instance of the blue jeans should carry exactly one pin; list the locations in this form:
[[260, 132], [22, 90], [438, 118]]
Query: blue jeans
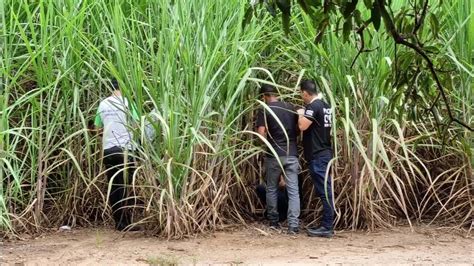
[[273, 172], [323, 186]]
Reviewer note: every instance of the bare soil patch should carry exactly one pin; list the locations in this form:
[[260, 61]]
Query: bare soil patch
[[250, 245]]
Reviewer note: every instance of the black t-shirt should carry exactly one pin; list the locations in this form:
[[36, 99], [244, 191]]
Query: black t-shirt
[[317, 137], [288, 117]]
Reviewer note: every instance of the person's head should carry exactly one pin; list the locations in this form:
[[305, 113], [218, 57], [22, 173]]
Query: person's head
[[268, 92], [115, 87], [309, 90]]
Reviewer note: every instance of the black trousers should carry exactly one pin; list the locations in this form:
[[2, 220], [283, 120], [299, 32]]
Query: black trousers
[[120, 170]]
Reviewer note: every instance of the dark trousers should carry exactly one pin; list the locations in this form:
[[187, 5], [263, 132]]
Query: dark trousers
[[120, 170], [323, 186]]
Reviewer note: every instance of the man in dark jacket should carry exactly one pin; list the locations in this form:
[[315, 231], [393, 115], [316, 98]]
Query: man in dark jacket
[[315, 122], [278, 124]]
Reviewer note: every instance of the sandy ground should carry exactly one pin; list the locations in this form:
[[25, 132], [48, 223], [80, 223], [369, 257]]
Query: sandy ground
[[251, 245]]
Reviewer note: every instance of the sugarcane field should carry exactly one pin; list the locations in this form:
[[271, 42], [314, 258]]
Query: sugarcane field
[[236, 132]]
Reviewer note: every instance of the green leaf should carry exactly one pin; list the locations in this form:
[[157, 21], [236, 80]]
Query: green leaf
[[368, 4], [375, 16], [408, 27], [434, 23], [346, 29], [405, 59], [420, 3], [431, 49]]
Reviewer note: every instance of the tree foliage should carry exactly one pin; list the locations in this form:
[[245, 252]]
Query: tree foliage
[[414, 26]]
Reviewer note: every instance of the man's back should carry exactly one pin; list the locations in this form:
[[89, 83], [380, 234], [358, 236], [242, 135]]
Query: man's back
[[113, 116], [282, 134], [318, 136]]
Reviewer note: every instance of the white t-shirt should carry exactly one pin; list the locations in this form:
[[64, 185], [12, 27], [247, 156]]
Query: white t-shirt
[[114, 115]]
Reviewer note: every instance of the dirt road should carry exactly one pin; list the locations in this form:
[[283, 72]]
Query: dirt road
[[252, 245]]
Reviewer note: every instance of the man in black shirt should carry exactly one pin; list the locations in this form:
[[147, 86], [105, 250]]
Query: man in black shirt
[[279, 127], [315, 122]]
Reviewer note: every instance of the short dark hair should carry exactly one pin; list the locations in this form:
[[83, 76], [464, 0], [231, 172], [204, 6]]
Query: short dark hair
[[309, 86], [268, 90], [114, 83]]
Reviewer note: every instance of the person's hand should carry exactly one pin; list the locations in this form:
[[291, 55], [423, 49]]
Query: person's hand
[[282, 182], [300, 111]]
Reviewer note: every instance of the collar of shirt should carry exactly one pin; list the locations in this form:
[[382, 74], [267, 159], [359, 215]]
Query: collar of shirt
[[319, 96]]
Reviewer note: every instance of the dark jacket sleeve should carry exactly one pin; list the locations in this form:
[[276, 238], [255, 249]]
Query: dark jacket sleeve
[[260, 121]]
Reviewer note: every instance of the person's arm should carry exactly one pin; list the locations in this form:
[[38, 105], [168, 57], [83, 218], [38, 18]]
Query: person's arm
[[303, 122], [262, 131], [261, 128]]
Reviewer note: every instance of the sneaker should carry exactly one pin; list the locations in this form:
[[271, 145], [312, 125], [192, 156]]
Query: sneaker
[[274, 225], [293, 230], [320, 232]]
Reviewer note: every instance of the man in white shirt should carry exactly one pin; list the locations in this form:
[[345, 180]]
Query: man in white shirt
[[114, 117]]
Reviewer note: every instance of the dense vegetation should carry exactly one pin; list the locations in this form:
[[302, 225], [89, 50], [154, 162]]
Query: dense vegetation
[[194, 63]]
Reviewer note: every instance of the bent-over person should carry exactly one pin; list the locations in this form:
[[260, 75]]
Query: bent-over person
[[113, 117]]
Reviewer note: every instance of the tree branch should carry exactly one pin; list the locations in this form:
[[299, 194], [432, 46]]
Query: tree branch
[[401, 40], [360, 31], [419, 20]]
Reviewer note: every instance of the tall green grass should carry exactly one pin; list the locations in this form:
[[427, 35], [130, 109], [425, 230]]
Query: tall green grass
[[169, 56], [192, 63]]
